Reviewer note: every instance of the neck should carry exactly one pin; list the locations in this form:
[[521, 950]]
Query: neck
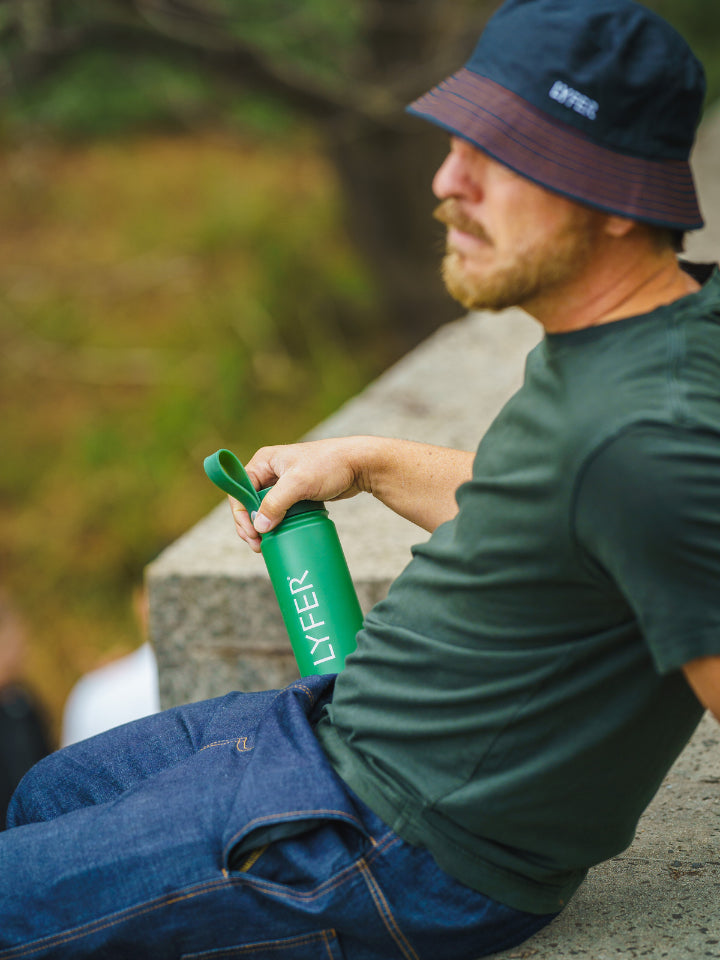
[[619, 282]]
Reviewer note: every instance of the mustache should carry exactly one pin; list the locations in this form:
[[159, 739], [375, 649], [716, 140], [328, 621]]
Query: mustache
[[451, 214]]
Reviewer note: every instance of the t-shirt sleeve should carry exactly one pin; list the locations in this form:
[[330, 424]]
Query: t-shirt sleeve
[[647, 516]]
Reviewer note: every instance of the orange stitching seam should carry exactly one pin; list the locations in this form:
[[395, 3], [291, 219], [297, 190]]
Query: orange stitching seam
[[94, 926], [385, 912], [268, 945]]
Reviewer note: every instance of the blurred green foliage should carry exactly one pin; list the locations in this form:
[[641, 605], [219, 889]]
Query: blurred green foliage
[[102, 94], [161, 297], [318, 35], [101, 91], [106, 94]]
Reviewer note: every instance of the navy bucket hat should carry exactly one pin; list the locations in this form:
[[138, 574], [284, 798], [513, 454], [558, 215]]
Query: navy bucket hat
[[598, 100]]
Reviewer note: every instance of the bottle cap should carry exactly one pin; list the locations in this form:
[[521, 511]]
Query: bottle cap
[[302, 506]]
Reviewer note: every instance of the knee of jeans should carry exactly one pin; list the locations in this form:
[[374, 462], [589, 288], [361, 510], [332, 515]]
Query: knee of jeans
[[16, 814], [31, 802]]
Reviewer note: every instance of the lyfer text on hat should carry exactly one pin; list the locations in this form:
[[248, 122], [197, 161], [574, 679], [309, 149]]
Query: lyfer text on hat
[[574, 100]]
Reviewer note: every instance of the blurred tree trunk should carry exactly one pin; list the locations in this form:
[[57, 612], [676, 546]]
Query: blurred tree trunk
[[386, 179], [35, 20], [386, 168]]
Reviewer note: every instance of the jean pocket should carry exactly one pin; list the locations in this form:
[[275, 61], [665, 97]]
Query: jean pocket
[[320, 945], [298, 854]]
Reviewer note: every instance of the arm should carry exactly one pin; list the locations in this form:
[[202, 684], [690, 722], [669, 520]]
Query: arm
[[703, 675], [416, 480]]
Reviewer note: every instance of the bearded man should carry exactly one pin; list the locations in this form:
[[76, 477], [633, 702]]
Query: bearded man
[[515, 701]]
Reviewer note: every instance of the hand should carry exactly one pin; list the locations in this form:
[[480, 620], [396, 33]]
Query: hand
[[316, 470]]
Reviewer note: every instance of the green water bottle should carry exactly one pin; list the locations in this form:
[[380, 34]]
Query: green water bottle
[[308, 572]]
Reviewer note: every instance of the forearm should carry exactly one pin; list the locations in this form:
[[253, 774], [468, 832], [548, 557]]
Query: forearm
[[416, 480]]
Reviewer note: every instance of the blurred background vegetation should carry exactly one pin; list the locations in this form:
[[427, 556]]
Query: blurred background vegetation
[[214, 229]]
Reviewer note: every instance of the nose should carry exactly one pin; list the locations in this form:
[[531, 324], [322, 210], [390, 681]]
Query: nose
[[457, 176]]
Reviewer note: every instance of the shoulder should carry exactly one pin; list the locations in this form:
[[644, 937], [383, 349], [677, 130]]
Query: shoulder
[[656, 469], [647, 516], [650, 498]]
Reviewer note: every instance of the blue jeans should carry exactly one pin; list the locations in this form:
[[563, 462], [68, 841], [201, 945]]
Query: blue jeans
[[218, 830]]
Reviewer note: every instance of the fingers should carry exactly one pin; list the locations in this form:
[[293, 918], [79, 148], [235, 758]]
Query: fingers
[[243, 525], [265, 469], [276, 503], [277, 468], [315, 470], [266, 466]]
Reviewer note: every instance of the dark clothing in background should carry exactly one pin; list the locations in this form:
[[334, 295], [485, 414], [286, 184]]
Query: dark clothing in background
[[24, 740]]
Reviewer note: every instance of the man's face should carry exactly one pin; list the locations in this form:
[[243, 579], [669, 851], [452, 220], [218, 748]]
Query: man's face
[[510, 242]]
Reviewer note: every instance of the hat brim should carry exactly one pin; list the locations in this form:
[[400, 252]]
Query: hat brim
[[554, 155]]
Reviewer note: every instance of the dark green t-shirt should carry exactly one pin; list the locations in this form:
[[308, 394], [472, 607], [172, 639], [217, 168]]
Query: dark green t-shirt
[[516, 699]]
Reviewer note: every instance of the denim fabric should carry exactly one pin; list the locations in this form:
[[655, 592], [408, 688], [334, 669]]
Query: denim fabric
[[219, 830]]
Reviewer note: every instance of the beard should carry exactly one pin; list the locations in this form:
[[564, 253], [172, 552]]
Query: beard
[[522, 276]]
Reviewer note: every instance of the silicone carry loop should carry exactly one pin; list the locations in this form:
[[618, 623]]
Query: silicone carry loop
[[226, 472]]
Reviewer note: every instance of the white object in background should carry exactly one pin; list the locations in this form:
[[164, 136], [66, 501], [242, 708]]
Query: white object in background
[[123, 690]]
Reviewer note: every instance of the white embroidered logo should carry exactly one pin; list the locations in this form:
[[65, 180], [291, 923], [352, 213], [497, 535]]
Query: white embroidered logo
[[574, 100]]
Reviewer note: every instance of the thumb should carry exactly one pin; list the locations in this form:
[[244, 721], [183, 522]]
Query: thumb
[[269, 515]]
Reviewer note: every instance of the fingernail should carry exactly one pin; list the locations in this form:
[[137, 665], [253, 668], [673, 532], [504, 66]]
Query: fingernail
[[261, 523], [253, 515]]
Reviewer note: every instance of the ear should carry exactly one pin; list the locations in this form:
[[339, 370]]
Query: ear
[[618, 227]]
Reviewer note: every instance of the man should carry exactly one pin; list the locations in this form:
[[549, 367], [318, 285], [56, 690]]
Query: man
[[516, 700]]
